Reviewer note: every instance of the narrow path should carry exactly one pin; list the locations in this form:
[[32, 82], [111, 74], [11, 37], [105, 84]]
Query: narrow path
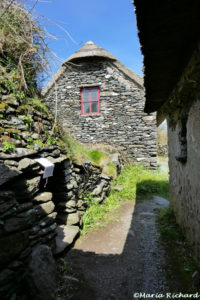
[[121, 259]]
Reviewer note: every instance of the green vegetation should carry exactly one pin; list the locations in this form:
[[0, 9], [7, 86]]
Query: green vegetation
[[137, 183], [30, 147], [39, 143], [38, 104], [7, 147], [16, 136], [30, 140], [168, 227], [181, 255], [51, 140], [96, 156], [23, 50], [28, 120], [79, 153]]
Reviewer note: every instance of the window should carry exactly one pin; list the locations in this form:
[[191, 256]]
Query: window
[[90, 103], [182, 157]]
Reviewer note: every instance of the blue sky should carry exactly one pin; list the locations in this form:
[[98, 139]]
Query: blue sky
[[109, 23]]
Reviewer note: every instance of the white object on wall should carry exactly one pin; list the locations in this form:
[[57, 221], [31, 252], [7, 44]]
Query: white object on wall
[[48, 167]]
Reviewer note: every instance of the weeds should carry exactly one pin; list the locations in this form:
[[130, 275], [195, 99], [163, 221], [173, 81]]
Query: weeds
[[7, 147], [137, 183], [80, 153], [181, 255]]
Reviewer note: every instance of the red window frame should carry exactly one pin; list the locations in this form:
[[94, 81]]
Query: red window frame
[[90, 101]]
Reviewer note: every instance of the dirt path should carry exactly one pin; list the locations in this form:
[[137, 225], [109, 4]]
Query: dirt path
[[121, 259]]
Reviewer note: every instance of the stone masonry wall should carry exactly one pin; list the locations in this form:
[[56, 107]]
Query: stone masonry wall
[[184, 176], [39, 217], [121, 123]]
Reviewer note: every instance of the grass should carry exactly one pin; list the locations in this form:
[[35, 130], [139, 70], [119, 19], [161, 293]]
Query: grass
[[137, 183], [181, 255], [167, 224], [80, 152]]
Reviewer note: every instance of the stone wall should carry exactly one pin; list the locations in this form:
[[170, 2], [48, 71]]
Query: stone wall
[[162, 149], [184, 175], [121, 123], [35, 213]]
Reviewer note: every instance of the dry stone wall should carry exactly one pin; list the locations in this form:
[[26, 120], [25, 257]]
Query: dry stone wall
[[39, 216], [121, 123]]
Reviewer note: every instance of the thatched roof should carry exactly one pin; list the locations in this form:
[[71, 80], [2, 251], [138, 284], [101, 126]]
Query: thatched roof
[[168, 31], [92, 50]]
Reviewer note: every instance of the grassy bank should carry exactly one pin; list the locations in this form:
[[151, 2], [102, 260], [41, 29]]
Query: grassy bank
[[136, 183], [97, 154]]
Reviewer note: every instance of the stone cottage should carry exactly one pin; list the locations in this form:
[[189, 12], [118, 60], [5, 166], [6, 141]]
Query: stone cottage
[[99, 100], [169, 33]]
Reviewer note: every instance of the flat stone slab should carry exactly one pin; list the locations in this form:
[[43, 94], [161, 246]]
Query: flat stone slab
[[7, 173], [65, 236], [161, 201]]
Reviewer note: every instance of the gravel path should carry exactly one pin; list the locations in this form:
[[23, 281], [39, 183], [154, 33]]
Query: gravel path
[[121, 259]]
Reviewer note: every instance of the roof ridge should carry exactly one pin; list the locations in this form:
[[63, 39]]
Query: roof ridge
[[90, 49]]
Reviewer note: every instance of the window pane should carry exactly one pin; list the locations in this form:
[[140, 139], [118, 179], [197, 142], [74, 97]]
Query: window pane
[[86, 108], [94, 94], [94, 107], [85, 95]]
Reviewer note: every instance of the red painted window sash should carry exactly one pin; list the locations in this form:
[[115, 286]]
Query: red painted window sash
[[90, 101]]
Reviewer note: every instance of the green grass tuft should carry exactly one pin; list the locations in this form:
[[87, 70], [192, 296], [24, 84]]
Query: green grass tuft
[[137, 183], [80, 152], [95, 156], [168, 226]]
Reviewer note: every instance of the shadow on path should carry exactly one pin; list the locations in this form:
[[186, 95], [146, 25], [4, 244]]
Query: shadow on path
[[121, 259]]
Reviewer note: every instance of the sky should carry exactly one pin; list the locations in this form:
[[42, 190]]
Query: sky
[[110, 24]]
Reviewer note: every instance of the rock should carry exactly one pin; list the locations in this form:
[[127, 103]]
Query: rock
[[19, 152], [26, 163], [99, 188], [15, 121], [26, 135], [73, 219], [48, 220], [7, 205], [42, 273], [58, 160], [7, 173], [65, 237], [118, 188], [71, 204], [19, 223], [70, 210], [81, 203], [45, 208], [27, 188], [12, 246], [10, 100], [106, 177], [35, 136], [70, 186], [43, 197], [115, 159], [11, 163]]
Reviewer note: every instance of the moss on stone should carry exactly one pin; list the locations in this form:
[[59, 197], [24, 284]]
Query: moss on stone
[[25, 108], [3, 107]]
